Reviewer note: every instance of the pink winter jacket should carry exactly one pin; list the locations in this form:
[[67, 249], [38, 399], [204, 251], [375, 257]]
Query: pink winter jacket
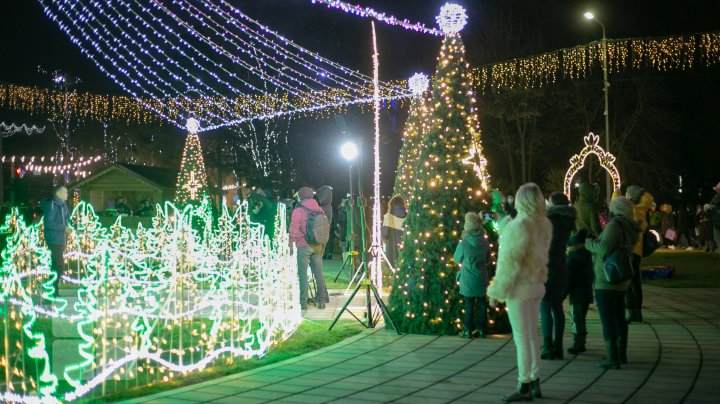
[[298, 222]]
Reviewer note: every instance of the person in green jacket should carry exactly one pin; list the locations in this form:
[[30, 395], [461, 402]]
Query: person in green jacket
[[586, 207], [473, 254], [621, 232], [263, 210]]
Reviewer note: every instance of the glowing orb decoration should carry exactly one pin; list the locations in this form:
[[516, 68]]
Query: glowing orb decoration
[[418, 84], [577, 162], [452, 18], [192, 125], [141, 306]]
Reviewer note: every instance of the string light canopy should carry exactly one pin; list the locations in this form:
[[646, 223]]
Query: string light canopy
[[220, 65], [669, 53], [368, 12], [51, 165], [577, 162]]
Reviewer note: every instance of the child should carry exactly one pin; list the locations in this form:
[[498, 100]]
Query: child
[[472, 254], [580, 284]]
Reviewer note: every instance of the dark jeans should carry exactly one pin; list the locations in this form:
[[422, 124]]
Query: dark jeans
[[578, 314], [475, 313], [634, 294], [552, 316], [611, 305], [57, 262]]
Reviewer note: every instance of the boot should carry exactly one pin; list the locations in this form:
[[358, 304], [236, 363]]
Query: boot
[[535, 388], [546, 351], [622, 350], [578, 345], [612, 361], [522, 393], [558, 349]]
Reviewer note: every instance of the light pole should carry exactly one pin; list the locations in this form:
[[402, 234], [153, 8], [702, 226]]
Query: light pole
[[349, 152], [606, 86]]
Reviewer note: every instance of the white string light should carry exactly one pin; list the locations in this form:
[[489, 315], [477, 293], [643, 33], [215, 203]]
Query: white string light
[[11, 129]]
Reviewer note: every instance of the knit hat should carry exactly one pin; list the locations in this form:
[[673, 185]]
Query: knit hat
[[578, 238], [621, 206], [305, 193], [559, 199], [634, 192], [473, 222]]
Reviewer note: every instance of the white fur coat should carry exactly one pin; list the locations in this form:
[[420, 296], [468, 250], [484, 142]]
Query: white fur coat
[[522, 256]]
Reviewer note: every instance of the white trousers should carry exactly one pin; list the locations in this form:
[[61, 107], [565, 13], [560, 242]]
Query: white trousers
[[523, 311]]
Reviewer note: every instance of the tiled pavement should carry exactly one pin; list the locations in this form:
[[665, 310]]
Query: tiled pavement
[[674, 357]]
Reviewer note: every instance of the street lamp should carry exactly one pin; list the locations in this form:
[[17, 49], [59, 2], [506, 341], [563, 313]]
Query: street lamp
[[349, 151], [590, 16]]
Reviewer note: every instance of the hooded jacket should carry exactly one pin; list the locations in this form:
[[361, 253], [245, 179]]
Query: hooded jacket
[[325, 197], [55, 219], [562, 218], [298, 222], [620, 230], [587, 215], [522, 256], [473, 254], [640, 214]]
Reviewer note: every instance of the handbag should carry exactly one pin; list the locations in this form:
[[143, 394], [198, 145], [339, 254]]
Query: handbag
[[617, 265], [670, 234], [651, 242]]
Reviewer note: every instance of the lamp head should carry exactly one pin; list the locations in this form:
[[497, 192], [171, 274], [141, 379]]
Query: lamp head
[[349, 150], [588, 15]]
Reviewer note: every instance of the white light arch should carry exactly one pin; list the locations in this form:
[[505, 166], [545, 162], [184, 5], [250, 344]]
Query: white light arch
[[607, 161]]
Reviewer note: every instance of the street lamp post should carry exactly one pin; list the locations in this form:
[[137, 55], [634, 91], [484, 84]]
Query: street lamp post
[[606, 86], [349, 151]]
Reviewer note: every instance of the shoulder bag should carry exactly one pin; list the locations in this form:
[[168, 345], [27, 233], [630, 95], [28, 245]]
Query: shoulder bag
[[617, 265]]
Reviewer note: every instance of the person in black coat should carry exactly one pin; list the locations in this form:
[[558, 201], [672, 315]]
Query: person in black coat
[[552, 317], [580, 288]]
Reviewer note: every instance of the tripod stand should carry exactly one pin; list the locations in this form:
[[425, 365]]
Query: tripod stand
[[366, 283]]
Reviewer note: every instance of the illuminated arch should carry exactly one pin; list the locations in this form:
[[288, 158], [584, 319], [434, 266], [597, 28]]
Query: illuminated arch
[[607, 161]]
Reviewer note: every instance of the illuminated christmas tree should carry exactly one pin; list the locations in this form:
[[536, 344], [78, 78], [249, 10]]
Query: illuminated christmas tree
[[413, 135], [192, 178], [450, 179]]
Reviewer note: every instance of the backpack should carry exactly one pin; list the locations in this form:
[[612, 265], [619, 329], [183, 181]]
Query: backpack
[[317, 229]]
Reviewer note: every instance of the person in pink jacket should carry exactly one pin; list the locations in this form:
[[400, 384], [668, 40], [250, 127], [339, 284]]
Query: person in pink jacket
[[307, 253]]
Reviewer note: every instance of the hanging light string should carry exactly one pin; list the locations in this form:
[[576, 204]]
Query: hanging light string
[[368, 12], [52, 165], [12, 129], [661, 54], [213, 61]]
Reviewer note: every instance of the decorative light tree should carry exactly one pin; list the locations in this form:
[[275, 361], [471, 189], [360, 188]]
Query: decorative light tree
[[192, 178], [450, 177], [413, 135]]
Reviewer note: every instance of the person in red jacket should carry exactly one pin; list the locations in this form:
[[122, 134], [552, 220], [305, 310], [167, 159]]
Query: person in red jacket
[[307, 253]]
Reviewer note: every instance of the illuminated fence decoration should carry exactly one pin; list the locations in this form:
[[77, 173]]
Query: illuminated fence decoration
[[147, 305], [607, 161]]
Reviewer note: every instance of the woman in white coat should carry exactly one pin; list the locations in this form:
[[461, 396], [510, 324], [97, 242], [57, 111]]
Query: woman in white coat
[[520, 282]]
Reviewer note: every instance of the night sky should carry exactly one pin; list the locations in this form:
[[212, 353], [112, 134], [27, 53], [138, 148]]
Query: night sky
[[29, 39]]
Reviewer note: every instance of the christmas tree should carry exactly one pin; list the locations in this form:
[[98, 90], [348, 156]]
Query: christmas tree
[[450, 179], [192, 178], [413, 135]]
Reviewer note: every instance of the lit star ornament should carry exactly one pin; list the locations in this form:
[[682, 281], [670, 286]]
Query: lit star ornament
[[192, 125], [452, 18], [418, 84]]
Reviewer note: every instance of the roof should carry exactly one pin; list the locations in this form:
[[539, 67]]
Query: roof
[[158, 177]]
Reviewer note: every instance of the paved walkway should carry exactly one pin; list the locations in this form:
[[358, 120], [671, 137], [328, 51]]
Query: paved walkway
[[674, 357]]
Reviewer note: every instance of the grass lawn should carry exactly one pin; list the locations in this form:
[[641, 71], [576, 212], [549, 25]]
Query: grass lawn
[[310, 336], [693, 269]]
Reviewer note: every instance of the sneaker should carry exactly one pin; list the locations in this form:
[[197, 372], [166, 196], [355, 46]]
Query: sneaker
[[689, 249], [672, 247]]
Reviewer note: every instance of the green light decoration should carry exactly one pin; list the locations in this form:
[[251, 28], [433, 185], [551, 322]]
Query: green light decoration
[[147, 305]]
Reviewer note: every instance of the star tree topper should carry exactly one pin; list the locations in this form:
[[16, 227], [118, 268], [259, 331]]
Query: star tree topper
[[452, 18]]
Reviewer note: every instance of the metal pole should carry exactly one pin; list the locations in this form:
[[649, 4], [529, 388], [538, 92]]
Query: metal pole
[[606, 87]]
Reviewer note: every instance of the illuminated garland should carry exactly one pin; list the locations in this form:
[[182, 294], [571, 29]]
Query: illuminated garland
[[662, 54], [36, 164], [380, 16], [577, 162], [153, 304], [9, 130]]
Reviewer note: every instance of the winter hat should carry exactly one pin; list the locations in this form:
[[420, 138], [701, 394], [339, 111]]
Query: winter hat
[[634, 192], [559, 199], [622, 206], [578, 238], [473, 222], [305, 193], [706, 207]]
